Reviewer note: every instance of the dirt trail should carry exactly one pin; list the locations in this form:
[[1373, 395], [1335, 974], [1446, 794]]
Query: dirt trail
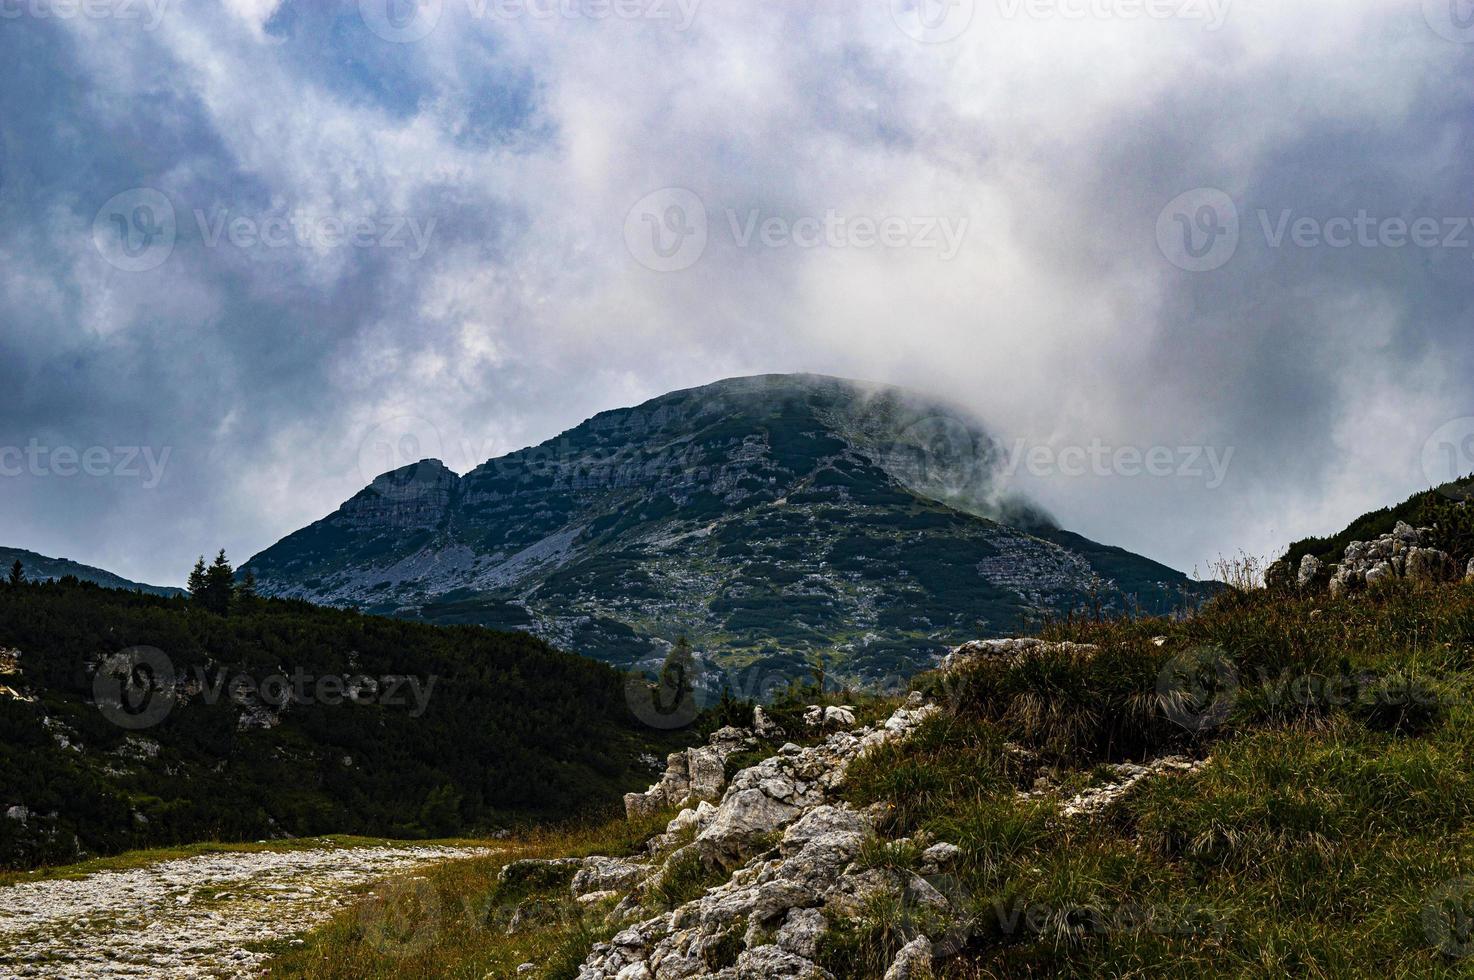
[[215, 915]]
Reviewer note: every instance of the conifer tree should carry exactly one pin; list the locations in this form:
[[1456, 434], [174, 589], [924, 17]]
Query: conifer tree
[[219, 584], [245, 589], [196, 584], [678, 674], [17, 573]]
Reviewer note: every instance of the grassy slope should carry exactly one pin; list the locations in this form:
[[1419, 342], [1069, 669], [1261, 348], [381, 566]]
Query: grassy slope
[[1322, 838], [512, 730], [1420, 510]]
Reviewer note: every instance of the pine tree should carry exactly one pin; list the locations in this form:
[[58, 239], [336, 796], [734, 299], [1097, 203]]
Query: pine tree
[[17, 573], [219, 584], [196, 584], [245, 590], [678, 673]]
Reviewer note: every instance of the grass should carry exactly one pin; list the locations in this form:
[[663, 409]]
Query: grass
[[1329, 831], [454, 921], [1328, 835]]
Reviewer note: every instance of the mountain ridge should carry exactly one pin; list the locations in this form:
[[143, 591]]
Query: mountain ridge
[[769, 517], [41, 568]]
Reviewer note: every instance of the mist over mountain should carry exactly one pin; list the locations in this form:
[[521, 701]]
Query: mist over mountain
[[767, 518]]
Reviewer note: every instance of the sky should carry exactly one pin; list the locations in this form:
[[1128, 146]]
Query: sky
[[1205, 268]]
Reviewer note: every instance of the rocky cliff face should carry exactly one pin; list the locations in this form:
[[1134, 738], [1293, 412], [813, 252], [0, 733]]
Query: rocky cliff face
[[766, 518]]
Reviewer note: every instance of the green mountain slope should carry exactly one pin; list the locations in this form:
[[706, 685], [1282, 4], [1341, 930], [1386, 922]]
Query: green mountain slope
[[768, 518], [400, 729]]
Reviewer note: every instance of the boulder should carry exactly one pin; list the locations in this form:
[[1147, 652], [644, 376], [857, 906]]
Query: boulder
[[1429, 566], [912, 962], [841, 717], [1011, 651], [939, 856], [1311, 568], [776, 963], [741, 821], [800, 932], [764, 726], [602, 874]]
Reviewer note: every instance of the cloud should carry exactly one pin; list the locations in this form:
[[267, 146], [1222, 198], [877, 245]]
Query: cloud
[[518, 137]]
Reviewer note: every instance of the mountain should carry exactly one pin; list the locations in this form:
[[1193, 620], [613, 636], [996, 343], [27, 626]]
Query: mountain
[[768, 518], [39, 568]]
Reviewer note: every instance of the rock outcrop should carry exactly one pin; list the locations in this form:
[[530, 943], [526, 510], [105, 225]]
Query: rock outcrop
[[691, 776], [790, 850], [982, 651], [1402, 554], [787, 857]]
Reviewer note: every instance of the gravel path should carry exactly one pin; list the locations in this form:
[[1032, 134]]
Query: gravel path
[[208, 916]]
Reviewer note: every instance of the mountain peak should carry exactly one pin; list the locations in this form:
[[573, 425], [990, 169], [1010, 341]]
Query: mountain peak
[[766, 517]]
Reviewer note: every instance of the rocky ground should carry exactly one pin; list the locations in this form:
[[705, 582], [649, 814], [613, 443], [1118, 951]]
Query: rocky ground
[[216, 915], [782, 857]]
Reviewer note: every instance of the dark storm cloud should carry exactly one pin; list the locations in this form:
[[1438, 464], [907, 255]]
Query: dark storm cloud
[[491, 297]]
